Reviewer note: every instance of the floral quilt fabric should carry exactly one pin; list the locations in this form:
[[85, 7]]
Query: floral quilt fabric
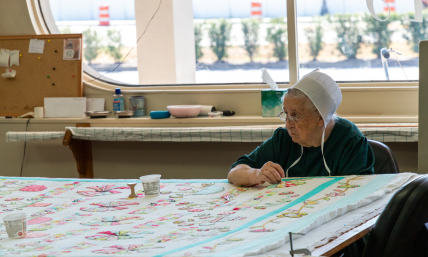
[[74, 217]]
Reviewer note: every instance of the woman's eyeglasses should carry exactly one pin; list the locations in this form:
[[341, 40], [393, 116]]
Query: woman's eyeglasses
[[284, 117]]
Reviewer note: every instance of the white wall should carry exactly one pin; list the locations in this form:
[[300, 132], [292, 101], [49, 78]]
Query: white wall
[[9, 24]]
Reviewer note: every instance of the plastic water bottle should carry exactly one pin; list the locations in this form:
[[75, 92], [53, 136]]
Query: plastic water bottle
[[118, 102]]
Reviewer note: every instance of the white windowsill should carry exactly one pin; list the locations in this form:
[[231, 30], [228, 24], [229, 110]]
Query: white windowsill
[[227, 88], [203, 121]]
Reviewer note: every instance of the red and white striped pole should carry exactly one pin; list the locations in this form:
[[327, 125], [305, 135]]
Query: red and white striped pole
[[256, 10], [104, 16], [391, 4]]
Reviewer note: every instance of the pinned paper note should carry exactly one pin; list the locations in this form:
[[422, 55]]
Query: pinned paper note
[[72, 48], [4, 58], [14, 58], [36, 46], [9, 74], [268, 79]]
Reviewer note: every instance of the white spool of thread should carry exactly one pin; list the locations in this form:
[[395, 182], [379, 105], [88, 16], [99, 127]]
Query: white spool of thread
[[215, 114], [206, 109], [38, 112]]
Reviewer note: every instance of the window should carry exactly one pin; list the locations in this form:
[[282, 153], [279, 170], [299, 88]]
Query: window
[[233, 40], [346, 41], [255, 35]]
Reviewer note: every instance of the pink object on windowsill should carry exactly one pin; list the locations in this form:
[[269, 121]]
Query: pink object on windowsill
[[184, 111]]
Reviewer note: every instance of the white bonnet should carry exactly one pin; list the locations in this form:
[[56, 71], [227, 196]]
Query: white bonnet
[[323, 91]]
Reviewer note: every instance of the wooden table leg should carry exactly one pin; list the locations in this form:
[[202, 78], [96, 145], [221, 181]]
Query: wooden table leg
[[82, 152]]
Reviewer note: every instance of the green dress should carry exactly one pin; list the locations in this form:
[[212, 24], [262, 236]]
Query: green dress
[[346, 152]]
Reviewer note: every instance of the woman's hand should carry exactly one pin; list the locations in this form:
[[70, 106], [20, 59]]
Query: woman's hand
[[271, 173], [244, 175]]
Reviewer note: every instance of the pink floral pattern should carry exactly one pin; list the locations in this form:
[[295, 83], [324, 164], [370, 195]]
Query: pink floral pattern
[[33, 188], [108, 206], [112, 221], [38, 220], [118, 235], [14, 199], [127, 249], [100, 190]]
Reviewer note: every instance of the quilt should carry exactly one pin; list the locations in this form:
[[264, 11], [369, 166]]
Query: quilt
[[95, 217]]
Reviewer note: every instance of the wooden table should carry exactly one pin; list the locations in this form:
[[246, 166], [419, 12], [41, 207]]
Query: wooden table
[[345, 239], [80, 139], [82, 152]]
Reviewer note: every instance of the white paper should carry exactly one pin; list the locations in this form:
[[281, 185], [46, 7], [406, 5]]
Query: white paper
[[268, 79], [68, 54], [95, 104], [14, 58], [36, 46], [4, 58], [10, 74], [65, 107]]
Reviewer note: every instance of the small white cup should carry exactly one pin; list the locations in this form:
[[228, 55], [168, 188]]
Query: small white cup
[[38, 112], [151, 184], [16, 225]]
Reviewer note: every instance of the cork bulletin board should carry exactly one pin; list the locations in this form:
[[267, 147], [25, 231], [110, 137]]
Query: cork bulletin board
[[39, 75]]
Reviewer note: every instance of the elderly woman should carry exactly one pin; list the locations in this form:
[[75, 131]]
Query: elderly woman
[[314, 141]]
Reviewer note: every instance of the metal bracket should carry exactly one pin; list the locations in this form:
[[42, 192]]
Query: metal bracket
[[297, 251]]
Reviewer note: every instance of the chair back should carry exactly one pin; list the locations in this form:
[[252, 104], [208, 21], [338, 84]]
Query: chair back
[[400, 230], [385, 162]]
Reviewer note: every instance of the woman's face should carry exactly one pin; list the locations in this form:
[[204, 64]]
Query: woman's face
[[307, 131]]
